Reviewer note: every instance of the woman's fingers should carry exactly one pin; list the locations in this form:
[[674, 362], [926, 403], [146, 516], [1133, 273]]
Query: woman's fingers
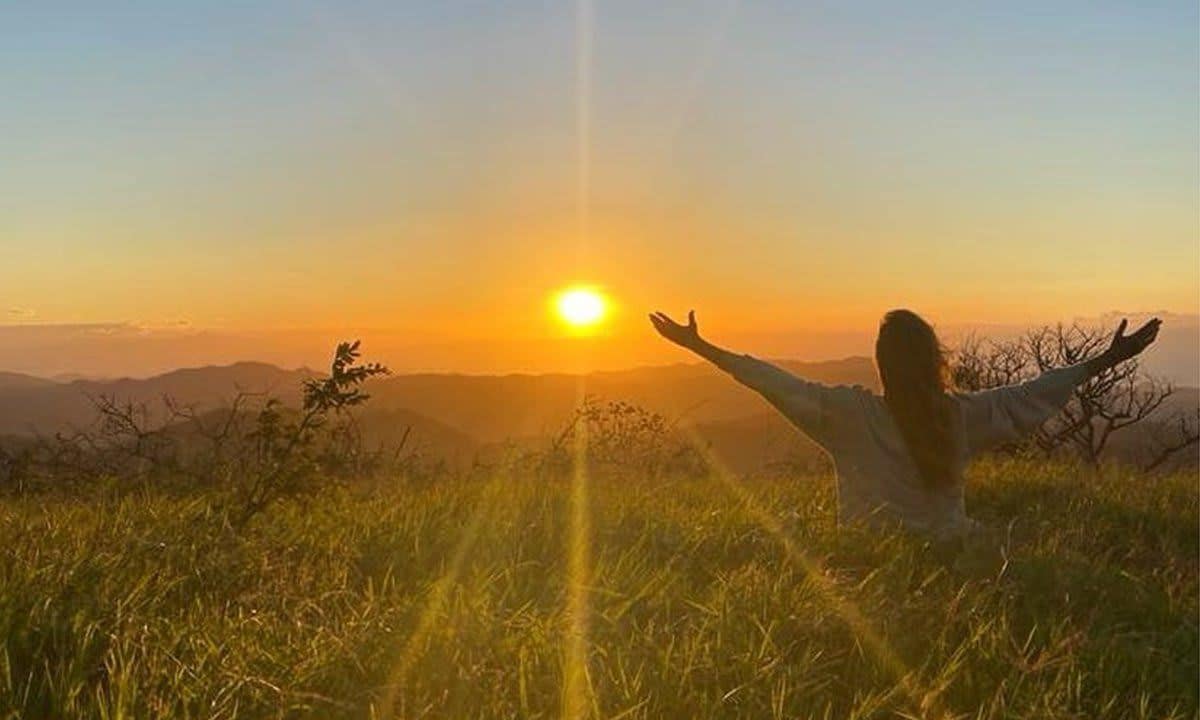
[[1140, 339], [665, 319], [663, 324], [1149, 331]]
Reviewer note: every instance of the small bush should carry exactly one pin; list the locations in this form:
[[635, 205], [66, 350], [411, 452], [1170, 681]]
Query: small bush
[[619, 439], [253, 453]]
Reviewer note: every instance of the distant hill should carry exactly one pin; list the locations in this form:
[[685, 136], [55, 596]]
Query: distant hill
[[19, 381], [456, 415], [496, 407], [36, 405], [72, 377], [487, 407]]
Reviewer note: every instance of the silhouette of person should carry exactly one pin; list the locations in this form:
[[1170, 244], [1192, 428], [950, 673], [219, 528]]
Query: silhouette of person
[[900, 457]]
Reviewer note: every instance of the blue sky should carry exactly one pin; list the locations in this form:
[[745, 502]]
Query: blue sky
[[410, 165]]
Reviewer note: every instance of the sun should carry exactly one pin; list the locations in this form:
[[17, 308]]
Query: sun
[[581, 307]]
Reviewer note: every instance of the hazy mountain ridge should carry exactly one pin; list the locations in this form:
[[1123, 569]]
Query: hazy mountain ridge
[[481, 409], [21, 381], [455, 415], [47, 406], [113, 350], [496, 407]]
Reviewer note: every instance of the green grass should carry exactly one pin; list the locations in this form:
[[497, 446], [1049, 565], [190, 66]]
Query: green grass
[[705, 600]]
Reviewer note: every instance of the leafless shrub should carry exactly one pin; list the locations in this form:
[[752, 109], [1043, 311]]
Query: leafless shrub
[[1171, 440], [1117, 398], [619, 439], [16, 467], [980, 364], [256, 450]]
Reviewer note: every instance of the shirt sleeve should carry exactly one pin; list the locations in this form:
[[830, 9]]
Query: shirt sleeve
[[1006, 414], [810, 406]]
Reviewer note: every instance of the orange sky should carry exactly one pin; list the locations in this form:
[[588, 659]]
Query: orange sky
[[433, 177]]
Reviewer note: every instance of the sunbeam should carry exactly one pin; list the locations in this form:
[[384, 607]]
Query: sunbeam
[[927, 701], [577, 693], [415, 646]]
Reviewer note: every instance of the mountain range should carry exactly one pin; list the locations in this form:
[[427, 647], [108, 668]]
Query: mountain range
[[456, 415]]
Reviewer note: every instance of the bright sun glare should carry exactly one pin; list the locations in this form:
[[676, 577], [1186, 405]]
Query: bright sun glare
[[581, 307]]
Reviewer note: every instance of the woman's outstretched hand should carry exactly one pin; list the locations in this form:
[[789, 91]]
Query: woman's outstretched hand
[[1124, 347], [686, 335]]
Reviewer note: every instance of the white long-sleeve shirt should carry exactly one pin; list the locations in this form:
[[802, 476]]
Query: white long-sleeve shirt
[[877, 480]]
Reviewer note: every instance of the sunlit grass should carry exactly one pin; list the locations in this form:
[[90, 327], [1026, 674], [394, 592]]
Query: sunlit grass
[[577, 694], [926, 700], [448, 600], [433, 613]]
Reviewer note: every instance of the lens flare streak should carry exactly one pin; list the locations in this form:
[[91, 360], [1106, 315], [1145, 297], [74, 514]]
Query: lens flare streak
[[578, 695], [431, 615], [868, 638]]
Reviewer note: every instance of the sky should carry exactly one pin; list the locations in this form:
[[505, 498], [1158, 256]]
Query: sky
[[257, 180]]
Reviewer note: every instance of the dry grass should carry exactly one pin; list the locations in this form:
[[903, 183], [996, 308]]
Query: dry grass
[[703, 599]]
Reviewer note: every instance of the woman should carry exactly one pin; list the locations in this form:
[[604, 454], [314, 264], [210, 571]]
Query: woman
[[900, 456]]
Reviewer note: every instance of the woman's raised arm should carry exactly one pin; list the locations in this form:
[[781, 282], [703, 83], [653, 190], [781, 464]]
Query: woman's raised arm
[[807, 404], [751, 372], [1006, 414]]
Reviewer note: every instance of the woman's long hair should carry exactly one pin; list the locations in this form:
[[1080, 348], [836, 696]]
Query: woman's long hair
[[913, 369]]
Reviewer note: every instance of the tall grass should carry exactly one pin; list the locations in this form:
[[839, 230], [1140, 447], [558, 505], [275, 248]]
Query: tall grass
[[450, 600]]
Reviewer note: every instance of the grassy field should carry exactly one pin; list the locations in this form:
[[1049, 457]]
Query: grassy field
[[501, 596]]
